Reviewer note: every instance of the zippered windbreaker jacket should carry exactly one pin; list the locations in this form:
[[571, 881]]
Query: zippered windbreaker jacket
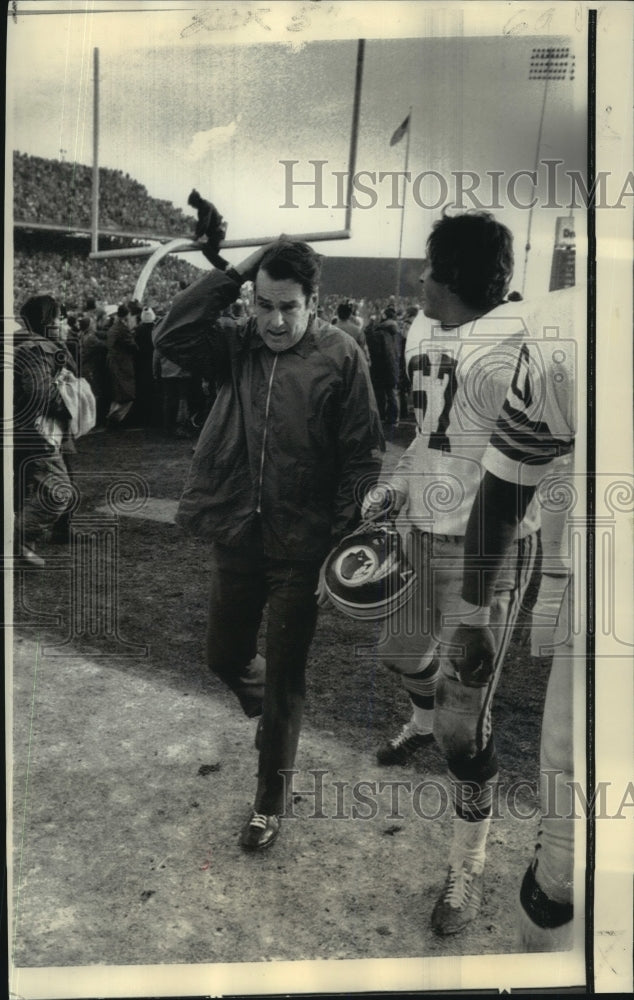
[[293, 440]]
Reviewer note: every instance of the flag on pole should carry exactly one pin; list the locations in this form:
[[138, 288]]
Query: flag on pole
[[400, 132]]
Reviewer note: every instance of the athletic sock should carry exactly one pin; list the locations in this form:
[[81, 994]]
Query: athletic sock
[[469, 843], [423, 719], [421, 688]]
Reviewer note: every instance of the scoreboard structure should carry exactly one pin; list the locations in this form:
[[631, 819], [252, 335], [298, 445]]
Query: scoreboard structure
[[562, 272]]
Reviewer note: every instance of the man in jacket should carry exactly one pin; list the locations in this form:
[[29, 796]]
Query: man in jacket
[[285, 455]]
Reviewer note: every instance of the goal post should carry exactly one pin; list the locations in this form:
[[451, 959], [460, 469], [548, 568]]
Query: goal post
[[185, 245]]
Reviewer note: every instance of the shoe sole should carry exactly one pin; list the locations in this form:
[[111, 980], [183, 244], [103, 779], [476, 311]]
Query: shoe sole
[[254, 848], [446, 932]]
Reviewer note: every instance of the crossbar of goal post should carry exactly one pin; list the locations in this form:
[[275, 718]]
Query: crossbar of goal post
[[156, 254], [180, 245]]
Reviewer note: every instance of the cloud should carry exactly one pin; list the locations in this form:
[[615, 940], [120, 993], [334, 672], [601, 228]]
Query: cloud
[[205, 142]]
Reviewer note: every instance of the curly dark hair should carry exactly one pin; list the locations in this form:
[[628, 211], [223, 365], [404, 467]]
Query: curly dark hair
[[472, 254], [293, 260], [344, 310]]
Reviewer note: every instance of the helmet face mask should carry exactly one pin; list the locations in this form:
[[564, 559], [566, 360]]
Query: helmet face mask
[[367, 575]]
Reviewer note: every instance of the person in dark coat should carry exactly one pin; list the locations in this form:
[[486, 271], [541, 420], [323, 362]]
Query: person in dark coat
[[93, 357], [274, 485], [385, 347], [211, 227], [122, 349], [43, 489], [144, 405], [346, 320]]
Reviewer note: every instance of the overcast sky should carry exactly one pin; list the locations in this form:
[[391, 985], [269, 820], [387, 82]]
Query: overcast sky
[[179, 110]]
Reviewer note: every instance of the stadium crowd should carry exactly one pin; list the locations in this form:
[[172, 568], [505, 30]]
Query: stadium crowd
[[64, 268], [162, 396], [60, 193]]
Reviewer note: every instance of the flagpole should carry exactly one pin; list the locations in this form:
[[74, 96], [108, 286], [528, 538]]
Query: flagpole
[[400, 240]]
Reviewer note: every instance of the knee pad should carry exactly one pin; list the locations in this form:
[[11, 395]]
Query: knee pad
[[422, 684], [456, 717]]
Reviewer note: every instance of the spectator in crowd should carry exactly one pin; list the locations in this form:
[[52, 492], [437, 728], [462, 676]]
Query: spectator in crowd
[[101, 320], [346, 320], [54, 191], [122, 349], [136, 309], [239, 312], [143, 368], [42, 442], [93, 355], [273, 485], [404, 384], [385, 347], [174, 384], [69, 333]]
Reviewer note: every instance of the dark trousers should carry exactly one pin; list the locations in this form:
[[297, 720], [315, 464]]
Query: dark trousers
[[242, 583], [387, 402], [43, 493], [175, 412]]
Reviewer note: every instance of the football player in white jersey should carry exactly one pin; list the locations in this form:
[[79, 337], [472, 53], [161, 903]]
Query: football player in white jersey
[[461, 366], [509, 482]]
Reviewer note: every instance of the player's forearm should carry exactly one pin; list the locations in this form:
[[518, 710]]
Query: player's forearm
[[497, 510], [409, 461]]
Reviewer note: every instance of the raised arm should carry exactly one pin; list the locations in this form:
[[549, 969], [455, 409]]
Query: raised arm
[[188, 335]]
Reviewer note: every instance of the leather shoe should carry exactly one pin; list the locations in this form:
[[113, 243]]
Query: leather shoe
[[259, 832]]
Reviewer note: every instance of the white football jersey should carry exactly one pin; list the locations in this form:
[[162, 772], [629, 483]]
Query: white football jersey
[[493, 393]]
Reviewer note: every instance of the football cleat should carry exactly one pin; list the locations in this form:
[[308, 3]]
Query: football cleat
[[367, 575], [400, 749], [460, 900]]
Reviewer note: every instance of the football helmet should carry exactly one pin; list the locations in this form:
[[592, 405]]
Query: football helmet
[[367, 575]]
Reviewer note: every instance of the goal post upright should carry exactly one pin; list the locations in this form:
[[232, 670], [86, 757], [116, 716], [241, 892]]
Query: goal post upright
[[185, 245], [94, 219]]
